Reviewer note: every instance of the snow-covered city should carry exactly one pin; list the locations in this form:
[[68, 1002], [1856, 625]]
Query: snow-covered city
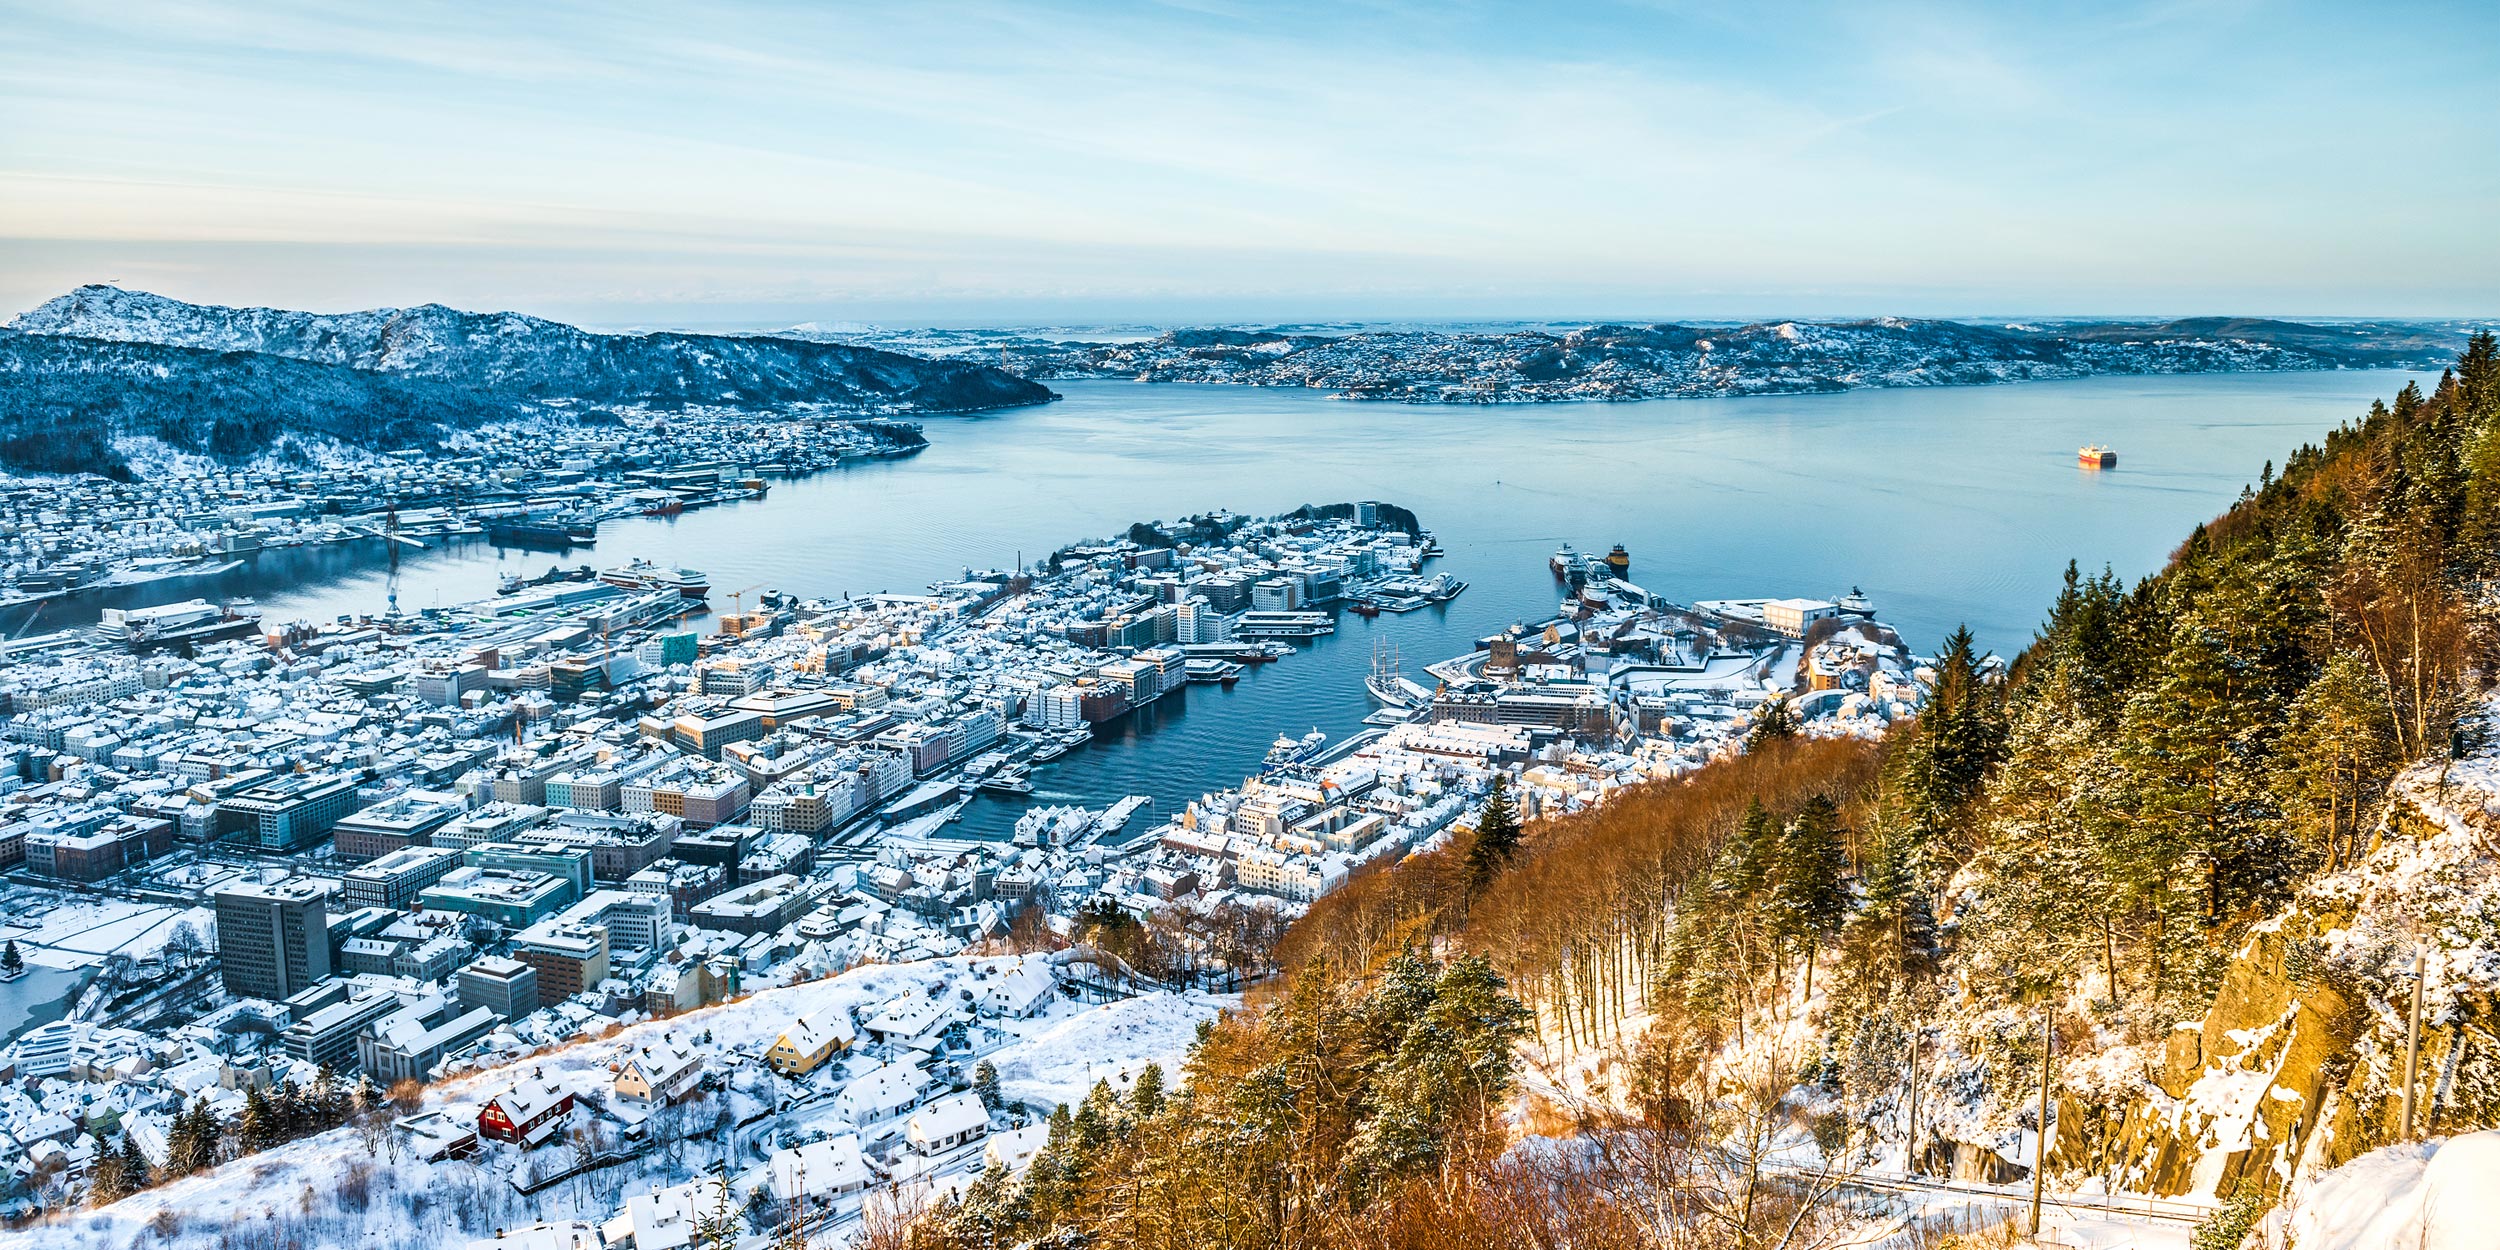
[[1196, 626]]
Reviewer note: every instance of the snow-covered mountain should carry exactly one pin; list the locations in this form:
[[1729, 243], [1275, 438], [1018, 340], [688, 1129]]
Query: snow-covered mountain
[[533, 358], [1658, 361], [65, 401]]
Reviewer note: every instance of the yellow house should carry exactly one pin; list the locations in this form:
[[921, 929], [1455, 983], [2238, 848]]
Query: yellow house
[[808, 1043], [661, 1072]]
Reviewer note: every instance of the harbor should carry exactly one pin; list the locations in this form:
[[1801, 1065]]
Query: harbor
[[191, 523], [1496, 522]]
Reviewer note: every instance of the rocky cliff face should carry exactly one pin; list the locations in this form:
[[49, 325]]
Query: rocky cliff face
[[533, 358], [2299, 1062]]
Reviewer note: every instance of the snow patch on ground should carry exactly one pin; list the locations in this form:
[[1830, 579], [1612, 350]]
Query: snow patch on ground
[[2420, 1196]]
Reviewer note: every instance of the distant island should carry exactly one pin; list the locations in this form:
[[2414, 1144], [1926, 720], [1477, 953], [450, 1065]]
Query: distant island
[[92, 370], [1625, 362], [89, 370]]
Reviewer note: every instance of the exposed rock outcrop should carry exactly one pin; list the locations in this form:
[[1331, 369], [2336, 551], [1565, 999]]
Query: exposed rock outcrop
[[2299, 1062]]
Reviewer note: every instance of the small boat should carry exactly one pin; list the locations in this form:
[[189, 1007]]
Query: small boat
[[2096, 456], [1362, 607]]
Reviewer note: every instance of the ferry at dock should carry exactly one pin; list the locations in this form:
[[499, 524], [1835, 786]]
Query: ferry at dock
[[644, 575], [1289, 751], [1267, 625], [1223, 672], [551, 533], [174, 625]]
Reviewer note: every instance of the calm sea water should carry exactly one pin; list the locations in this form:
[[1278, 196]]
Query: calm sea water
[[1947, 506]]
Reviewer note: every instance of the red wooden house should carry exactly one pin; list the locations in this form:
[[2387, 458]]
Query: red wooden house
[[526, 1114]]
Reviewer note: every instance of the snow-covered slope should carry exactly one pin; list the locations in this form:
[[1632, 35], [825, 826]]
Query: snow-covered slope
[[291, 1194], [65, 402], [2439, 1195], [530, 357]]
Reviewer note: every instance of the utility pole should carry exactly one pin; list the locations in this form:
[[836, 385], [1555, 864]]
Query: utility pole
[[1909, 1145], [2040, 1153], [2413, 1045]]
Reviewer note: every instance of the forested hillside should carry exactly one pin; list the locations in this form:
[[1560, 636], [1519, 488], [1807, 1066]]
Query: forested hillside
[[533, 358], [64, 401], [2158, 837]]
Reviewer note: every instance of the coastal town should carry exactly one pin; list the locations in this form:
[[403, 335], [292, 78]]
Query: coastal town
[[421, 868], [540, 485]]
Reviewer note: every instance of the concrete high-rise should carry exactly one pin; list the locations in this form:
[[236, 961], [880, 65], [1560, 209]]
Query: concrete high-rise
[[273, 940]]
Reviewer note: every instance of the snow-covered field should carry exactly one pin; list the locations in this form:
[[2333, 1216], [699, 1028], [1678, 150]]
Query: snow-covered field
[[338, 1190], [81, 932]]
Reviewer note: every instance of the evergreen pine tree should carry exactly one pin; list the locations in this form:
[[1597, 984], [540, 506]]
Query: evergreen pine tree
[[192, 1145], [1497, 833], [2477, 400], [257, 1130], [1773, 721], [2335, 756], [1744, 863], [984, 1221], [1895, 932], [10, 961], [1095, 1118], [136, 1171], [1145, 1099], [1809, 892], [985, 1085], [2478, 378], [2049, 854]]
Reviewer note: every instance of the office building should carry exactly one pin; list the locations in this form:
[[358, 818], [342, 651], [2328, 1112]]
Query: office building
[[273, 940], [507, 987], [291, 811], [394, 880], [394, 824]]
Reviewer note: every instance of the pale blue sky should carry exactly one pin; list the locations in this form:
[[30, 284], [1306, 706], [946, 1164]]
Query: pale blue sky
[[765, 163]]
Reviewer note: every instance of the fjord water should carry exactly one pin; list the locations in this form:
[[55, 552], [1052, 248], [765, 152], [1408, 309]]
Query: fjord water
[[1947, 506]]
